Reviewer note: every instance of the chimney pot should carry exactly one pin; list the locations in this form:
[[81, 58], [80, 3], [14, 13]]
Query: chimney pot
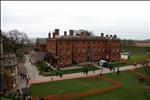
[[115, 36], [49, 35], [65, 33], [107, 35], [102, 34], [54, 34], [56, 31], [71, 32]]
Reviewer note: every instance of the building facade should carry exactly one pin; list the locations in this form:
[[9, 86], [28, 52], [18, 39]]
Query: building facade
[[8, 70], [11, 70], [83, 47]]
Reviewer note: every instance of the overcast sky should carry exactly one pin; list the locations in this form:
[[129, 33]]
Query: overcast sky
[[127, 19]]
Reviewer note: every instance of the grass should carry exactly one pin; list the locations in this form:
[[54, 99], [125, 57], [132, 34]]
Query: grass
[[5, 98], [135, 49], [131, 89], [67, 86], [136, 58], [145, 70], [69, 71], [138, 54], [41, 66]]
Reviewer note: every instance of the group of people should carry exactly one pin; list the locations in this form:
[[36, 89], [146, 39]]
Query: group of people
[[85, 71], [26, 77], [59, 73]]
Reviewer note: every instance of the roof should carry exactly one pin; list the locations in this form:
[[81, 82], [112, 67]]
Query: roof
[[103, 61], [42, 40]]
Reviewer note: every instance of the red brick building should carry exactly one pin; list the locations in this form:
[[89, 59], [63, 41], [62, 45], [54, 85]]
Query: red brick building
[[41, 44], [73, 49]]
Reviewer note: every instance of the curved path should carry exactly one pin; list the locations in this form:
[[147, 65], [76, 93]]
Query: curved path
[[116, 85]]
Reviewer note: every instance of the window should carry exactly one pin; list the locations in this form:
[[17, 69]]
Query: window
[[83, 50], [83, 42], [61, 51], [60, 43], [113, 50], [117, 49], [61, 60], [68, 51], [67, 43], [68, 60], [49, 49], [93, 50], [103, 50], [14, 60], [78, 50], [99, 50], [83, 58], [14, 83]]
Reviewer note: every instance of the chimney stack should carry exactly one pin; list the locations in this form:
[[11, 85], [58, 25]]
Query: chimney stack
[[54, 34], [102, 34], [65, 33], [115, 36], [107, 35], [56, 31], [71, 32], [49, 35]]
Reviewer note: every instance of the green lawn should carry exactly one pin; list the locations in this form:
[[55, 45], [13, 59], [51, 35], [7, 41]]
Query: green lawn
[[145, 70], [69, 71], [5, 98], [135, 49], [67, 86], [42, 66], [131, 90], [134, 58], [137, 54]]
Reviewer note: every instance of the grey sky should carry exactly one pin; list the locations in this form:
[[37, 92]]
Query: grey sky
[[127, 19]]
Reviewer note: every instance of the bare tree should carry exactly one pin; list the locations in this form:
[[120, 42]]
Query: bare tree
[[78, 32], [14, 40]]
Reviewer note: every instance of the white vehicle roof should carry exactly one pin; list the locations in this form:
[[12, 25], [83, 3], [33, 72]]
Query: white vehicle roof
[[102, 61]]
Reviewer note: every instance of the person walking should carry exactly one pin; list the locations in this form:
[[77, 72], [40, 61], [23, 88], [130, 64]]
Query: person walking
[[118, 71], [86, 71]]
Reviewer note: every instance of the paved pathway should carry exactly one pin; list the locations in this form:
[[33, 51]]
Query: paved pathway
[[36, 78], [75, 75], [32, 70]]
